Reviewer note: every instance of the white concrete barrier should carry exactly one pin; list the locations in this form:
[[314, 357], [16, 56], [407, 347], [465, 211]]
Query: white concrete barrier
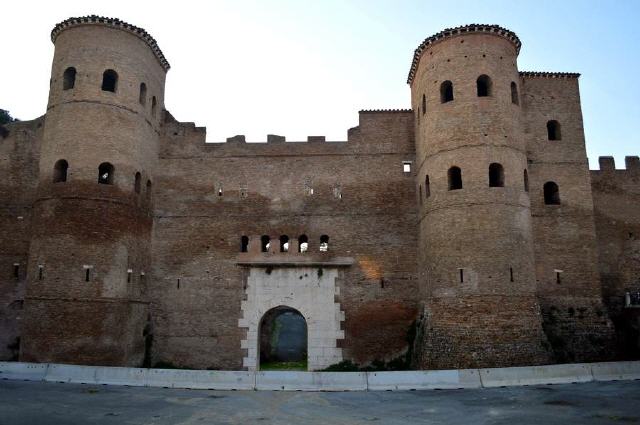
[[615, 371], [311, 381], [71, 373], [201, 379], [536, 375], [131, 376], [423, 380], [23, 371]]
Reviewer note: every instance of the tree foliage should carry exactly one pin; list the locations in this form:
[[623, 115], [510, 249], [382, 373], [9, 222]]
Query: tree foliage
[[5, 117]]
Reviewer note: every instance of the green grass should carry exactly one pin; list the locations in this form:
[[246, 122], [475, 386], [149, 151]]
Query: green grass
[[301, 365]]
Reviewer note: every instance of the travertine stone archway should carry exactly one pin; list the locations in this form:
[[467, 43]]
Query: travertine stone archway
[[311, 291]]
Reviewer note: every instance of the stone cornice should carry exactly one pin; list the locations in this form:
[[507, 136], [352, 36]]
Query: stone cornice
[[465, 29], [112, 23]]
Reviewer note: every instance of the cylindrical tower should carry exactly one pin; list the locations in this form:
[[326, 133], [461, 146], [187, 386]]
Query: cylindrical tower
[[476, 249], [92, 217]]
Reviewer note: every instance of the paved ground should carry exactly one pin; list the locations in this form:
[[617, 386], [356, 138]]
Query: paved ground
[[581, 404]]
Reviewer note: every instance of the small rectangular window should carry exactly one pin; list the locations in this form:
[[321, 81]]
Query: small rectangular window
[[406, 166], [558, 277], [129, 273], [87, 273], [16, 271], [40, 272]]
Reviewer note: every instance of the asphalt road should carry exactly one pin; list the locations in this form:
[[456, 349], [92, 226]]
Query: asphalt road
[[580, 404]]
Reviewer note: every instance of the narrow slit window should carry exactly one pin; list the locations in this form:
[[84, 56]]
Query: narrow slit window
[[154, 106], [511, 274], [461, 272], [424, 104], [303, 243], [427, 186], [324, 243], [558, 277], [16, 271], [129, 274], [40, 272], [137, 182], [69, 78], [142, 97], [526, 180], [420, 192], [149, 190], [244, 244], [514, 93], [265, 243], [87, 274]]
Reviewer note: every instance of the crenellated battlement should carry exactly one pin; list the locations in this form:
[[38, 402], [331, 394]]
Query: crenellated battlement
[[608, 164]]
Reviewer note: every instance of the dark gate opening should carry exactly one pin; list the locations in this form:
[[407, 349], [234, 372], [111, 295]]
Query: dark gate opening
[[283, 340]]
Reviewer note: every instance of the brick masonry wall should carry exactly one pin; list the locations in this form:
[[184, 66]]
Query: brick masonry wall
[[19, 152], [564, 235], [616, 196], [197, 234], [399, 252]]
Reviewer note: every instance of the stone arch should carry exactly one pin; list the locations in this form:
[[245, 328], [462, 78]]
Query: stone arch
[[305, 289], [283, 337]]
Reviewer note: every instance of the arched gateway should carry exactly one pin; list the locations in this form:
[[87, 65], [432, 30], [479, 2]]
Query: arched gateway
[[283, 339]]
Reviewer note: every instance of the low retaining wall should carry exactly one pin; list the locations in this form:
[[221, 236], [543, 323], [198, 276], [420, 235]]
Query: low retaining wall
[[322, 381]]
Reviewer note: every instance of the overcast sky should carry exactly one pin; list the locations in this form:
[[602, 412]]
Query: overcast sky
[[298, 68]]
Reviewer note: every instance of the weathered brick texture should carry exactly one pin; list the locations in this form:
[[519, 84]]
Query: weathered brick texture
[[113, 275]]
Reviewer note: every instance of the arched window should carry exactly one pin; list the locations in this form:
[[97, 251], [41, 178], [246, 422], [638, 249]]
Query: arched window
[[303, 243], [427, 186], [514, 93], [149, 190], [424, 104], [496, 175], [455, 178], [244, 244], [553, 130], [137, 183], [60, 171], [265, 243], [105, 173], [324, 243], [142, 98], [446, 92], [551, 194], [483, 84], [154, 106], [110, 81], [284, 243], [69, 78], [526, 180]]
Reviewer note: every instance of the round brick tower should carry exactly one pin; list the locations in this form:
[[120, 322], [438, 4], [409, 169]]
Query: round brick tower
[[92, 217], [476, 250]]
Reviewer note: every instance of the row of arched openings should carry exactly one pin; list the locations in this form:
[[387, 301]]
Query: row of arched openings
[[109, 84], [496, 179], [106, 173], [303, 243], [484, 88]]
